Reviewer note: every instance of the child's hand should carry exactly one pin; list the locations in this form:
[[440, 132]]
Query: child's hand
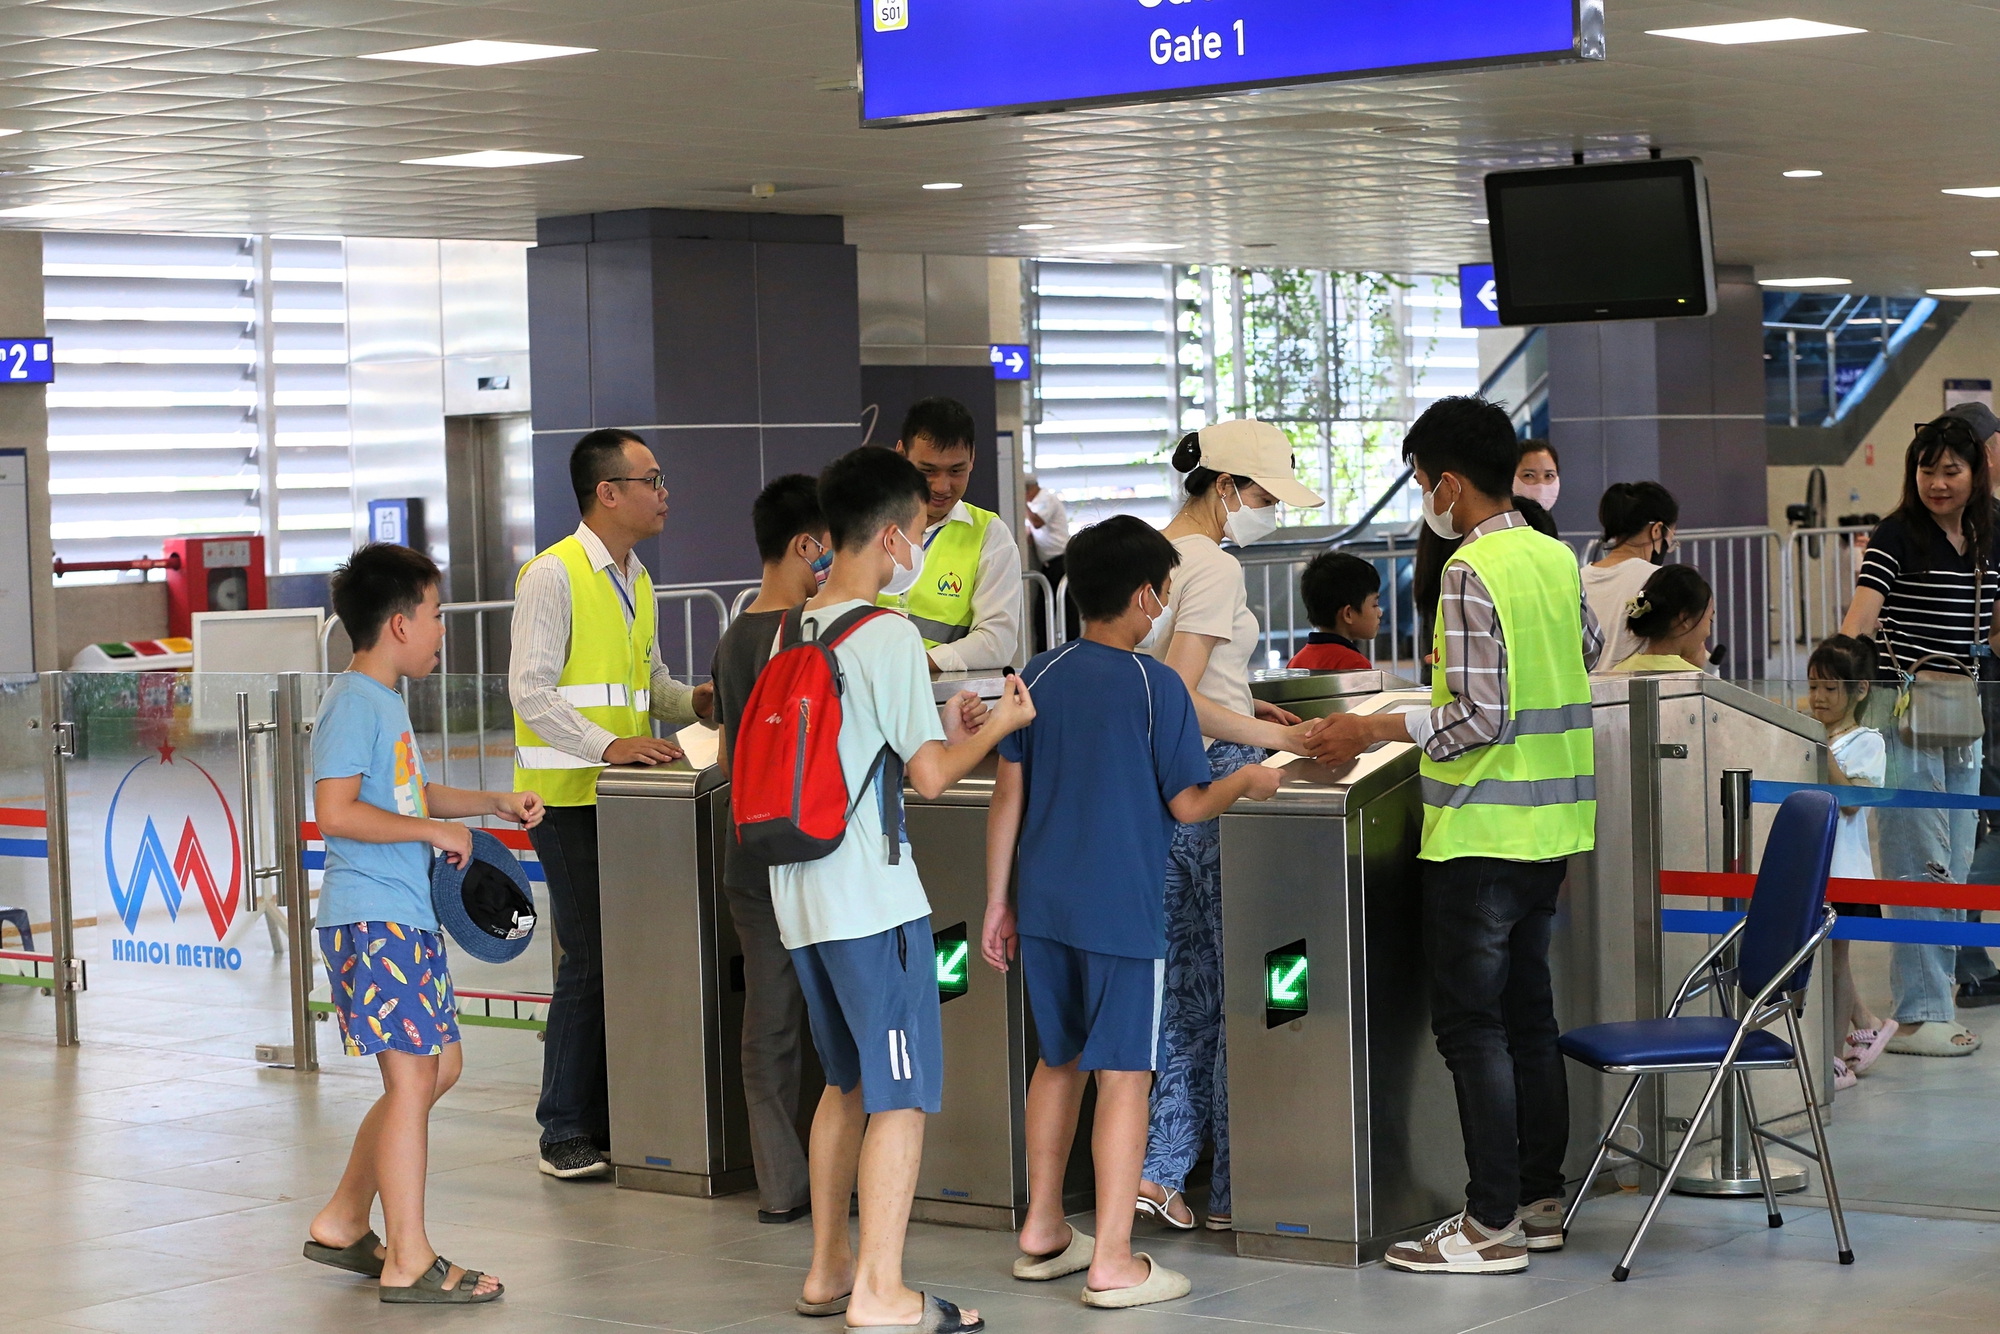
[[1016, 708], [974, 712], [523, 808], [956, 714], [453, 839], [1260, 782], [1271, 713], [999, 941]]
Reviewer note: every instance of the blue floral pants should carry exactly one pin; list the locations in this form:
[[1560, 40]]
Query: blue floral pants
[[1191, 1094]]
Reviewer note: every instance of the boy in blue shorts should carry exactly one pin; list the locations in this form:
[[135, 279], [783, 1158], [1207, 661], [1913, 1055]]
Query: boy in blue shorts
[[858, 924], [1090, 793], [377, 929]]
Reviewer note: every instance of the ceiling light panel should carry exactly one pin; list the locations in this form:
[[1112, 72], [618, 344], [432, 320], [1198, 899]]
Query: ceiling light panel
[[491, 157], [1975, 191], [480, 53], [1805, 282], [1962, 291], [1759, 30]]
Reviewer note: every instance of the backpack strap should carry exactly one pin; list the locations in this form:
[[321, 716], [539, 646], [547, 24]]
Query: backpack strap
[[791, 629], [887, 772], [847, 624]]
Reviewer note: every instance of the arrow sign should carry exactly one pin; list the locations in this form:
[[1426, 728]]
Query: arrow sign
[[1284, 984], [1489, 296], [948, 968], [1011, 361], [1287, 985], [1478, 297]]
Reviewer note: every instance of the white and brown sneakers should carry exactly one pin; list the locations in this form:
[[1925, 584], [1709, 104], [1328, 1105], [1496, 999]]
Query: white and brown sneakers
[[1463, 1245], [1542, 1222]]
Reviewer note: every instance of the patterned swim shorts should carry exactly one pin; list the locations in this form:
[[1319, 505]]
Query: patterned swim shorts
[[391, 989]]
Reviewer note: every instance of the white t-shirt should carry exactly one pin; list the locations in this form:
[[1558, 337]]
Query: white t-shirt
[[1607, 592], [1208, 598], [1052, 538], [853, 891], [1865, 760]]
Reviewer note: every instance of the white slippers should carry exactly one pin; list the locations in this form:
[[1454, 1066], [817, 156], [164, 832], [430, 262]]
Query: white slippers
[[1071, 1259], [1161, 1285]]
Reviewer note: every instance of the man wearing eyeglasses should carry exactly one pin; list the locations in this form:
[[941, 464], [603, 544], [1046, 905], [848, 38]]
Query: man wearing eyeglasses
[[586, 681]]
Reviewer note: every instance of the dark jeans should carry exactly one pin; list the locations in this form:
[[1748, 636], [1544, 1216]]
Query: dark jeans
[[1486, 938], [774, 1022], [575, 1098]]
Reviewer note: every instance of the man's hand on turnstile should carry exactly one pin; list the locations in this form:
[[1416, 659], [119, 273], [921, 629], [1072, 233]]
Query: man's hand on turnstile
[[641, 750], [999, 940], [1339, 737]]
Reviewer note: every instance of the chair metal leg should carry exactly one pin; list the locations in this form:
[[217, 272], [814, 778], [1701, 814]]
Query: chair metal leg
[[1771, 1213], [1603, 1146], [1623, 1270], [1819, 1140]]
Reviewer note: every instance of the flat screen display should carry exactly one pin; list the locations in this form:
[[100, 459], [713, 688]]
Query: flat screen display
[[958, 59], [1618, 241]]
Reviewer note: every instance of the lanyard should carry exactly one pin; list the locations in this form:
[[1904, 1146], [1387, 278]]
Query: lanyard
[[631, 612]]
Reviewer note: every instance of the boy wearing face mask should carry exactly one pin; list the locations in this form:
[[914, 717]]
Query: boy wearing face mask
[[796, 553], [1509, 796]]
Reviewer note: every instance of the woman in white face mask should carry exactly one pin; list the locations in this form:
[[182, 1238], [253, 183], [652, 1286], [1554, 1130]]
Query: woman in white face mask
[[1235, 473], [1538, 474]]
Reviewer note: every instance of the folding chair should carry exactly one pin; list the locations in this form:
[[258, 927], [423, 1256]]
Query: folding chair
[[1788, 919]]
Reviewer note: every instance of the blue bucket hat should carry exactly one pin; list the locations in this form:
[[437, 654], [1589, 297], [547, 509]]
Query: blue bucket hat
[[485, 904]]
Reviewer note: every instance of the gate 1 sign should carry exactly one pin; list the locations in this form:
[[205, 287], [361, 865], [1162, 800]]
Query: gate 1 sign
[[956, 59]]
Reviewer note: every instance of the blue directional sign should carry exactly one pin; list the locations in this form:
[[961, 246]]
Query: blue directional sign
[[953, 59], [27, 360], [1010, 361], [1478, 298]]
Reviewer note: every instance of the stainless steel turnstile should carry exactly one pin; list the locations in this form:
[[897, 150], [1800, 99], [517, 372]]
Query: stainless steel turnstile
[[673, 987], [1317, 694], [1343, 1128]]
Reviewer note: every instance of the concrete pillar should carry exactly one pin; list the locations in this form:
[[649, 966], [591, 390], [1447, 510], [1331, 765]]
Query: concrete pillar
[[729, 341], [1680, 402], [24, 425]]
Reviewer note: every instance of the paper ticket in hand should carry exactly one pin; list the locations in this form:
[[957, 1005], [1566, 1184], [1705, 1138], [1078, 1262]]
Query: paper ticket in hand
[[1280, 760], [701, 744]]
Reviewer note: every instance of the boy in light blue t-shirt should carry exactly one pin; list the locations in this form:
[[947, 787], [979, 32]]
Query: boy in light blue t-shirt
[[1089, 794], [377, 930]]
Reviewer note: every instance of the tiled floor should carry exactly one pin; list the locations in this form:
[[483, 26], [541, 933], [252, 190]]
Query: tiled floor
[[159, 1181]]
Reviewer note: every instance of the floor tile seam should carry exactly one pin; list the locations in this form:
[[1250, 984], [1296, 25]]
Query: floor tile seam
[[202, 1283], [1539, 1306], [1239, 1320], [620, 1324]]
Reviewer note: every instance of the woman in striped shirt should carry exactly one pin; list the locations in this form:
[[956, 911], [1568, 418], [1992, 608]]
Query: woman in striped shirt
[[1926, 588]]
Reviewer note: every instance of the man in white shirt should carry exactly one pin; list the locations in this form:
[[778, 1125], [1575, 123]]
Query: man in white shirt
[[967, 601], [1048, 538], [586, 681]]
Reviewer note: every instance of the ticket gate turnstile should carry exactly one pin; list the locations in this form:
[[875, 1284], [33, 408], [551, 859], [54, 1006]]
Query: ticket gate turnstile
[[673, 986]]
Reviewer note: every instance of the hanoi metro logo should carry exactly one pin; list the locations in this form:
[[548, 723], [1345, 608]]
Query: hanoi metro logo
[[950, 585], [181, 797]]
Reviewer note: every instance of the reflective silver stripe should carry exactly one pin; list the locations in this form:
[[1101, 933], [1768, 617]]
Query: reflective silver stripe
[[938, 632], [1546, 722], [548, 757], [595, 695], [1514, 792], [642, 700]]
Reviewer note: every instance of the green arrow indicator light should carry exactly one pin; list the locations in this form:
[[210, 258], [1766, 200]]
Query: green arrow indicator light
[[954, 953], [1287, 979]]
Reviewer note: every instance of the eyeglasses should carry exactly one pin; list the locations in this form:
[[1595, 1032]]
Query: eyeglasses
[[656, 480]]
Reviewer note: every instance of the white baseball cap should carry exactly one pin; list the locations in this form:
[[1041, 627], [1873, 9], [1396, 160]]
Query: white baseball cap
[[1246, 447]]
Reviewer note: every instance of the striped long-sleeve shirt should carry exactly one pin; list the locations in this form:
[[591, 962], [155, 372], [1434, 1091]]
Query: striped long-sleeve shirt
[[1475, 658]]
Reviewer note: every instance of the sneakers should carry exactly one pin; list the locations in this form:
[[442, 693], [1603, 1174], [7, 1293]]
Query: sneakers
[[1542, 1222], [1462, 1245], [573, 1158]]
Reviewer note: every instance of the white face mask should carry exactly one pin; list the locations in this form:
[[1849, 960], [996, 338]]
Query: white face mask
[[1152, 639], [1245, 526], [1439, 522], [905, 576], [1543, 493]]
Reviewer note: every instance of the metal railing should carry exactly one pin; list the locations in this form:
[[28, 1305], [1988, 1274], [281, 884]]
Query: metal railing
[[1816, 585], [1271, 573], [1050, 603]]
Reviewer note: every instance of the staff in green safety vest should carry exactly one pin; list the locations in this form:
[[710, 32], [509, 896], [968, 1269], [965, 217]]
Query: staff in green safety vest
[[1508, 796], [586, 683], [966, 600]]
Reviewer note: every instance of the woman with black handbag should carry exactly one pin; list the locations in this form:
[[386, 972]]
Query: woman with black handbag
[[1926, 592]]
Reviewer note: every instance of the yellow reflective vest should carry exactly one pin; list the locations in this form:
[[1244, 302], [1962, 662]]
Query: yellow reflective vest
[[608, 678], [940, 603], [1530, 796]]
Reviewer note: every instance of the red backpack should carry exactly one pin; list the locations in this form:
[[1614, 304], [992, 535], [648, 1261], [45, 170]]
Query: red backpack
[[788, 794]]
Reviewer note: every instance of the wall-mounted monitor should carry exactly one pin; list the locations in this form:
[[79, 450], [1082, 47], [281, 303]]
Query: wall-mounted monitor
[[957, 59], [1610, 241]]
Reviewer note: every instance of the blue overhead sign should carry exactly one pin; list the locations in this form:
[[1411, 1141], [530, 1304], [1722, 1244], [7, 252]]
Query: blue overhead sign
[[27, 360], [1010, 361], [953, 59], [1478, 298]]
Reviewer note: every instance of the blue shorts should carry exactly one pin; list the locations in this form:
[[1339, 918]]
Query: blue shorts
[[873, 1006], [391, 990], [1104, 1008]]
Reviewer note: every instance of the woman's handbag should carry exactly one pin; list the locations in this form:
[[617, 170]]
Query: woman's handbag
[[1937, 701]]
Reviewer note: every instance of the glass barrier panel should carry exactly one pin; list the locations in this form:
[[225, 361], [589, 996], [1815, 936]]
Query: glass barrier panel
[[26, 913]]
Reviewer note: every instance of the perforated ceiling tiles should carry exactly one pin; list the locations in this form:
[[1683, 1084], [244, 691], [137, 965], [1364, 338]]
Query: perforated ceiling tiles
[[189, 115]]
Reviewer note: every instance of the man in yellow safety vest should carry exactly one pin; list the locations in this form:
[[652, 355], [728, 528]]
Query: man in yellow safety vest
[[586, 683], [966, 601], [1509, 795]]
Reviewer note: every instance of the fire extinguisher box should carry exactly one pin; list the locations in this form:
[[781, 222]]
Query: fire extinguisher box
[[215, 574]]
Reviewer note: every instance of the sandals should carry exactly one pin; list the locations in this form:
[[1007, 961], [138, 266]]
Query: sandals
[[1163, 1210], [1864, 1045], [356, 1258], [838, 1306], [429, 1290], [1843, 1075], [940, 1317], [1077, 1255], [1162, 1285], [1933, 1038], [1219, 1223]]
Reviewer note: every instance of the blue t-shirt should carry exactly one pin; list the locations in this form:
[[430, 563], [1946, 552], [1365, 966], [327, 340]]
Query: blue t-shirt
[[1113, 741], [363, 728]]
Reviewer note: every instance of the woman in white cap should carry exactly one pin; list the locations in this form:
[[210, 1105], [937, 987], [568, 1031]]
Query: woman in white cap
[[1235, 473]]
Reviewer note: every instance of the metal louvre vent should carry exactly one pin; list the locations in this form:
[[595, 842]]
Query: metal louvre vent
[[153, 418]]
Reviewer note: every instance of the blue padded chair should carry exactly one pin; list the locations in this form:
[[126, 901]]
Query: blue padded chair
[[1788, 919]]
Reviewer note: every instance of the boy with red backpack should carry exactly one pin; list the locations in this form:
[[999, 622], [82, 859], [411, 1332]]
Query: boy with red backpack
[[854, 915]]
